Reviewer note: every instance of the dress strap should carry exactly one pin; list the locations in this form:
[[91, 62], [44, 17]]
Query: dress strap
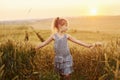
[[65, 35], [55, 35]]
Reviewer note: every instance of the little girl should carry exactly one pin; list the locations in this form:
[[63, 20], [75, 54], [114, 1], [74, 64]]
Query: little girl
[[63, 62]]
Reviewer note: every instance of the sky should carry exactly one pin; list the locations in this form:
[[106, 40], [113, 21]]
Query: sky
[[38, 9]]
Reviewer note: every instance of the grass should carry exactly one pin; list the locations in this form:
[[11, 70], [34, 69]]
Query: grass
[[19, 61]]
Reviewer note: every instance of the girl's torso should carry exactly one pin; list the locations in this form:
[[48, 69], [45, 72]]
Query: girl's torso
[[61, 48]]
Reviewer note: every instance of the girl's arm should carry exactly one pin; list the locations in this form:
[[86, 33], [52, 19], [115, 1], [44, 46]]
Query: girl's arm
[[45, 42], [79, 42]]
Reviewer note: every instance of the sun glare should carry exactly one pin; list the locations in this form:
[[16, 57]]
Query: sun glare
[[93, 11]]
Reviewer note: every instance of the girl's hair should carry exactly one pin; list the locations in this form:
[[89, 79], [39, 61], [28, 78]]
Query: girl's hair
[[57, 23]]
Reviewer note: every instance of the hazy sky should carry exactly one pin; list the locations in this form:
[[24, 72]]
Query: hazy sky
[[31, 9]]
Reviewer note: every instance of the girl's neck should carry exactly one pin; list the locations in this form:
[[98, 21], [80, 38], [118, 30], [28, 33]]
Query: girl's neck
[[60, 32]]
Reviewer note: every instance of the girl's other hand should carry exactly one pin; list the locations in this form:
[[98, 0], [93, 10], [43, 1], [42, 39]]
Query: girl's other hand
[[97, 44], [34, 50]]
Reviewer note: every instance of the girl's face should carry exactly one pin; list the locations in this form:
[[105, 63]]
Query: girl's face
[[64, 28]]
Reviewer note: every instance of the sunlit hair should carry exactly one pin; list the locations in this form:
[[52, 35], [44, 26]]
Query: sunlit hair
[[57, 23]]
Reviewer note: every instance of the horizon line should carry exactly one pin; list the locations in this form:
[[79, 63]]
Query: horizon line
[[26, 19]]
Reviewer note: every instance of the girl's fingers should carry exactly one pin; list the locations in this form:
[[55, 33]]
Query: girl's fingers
[[99, 44], [93, 45]]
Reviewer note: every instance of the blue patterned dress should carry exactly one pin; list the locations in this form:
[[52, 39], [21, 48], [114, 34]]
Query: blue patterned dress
[[63, 62]]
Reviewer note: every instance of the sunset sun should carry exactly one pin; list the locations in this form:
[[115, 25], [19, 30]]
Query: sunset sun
[[93, 11]]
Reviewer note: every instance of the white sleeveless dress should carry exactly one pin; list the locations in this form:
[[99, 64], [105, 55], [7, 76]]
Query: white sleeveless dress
[[63, 61]]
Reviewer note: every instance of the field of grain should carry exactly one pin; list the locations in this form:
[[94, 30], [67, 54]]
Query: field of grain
[[18, 60]]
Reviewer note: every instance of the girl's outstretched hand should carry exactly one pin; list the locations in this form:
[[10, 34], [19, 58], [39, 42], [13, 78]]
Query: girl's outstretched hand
[[36, 48], [97, 44], [33, 50]]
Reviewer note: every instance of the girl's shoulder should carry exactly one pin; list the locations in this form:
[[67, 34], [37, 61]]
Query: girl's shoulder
[[53, 35], [67, 35]]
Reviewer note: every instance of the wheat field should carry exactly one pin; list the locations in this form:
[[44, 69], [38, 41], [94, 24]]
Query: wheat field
[[18, 61]]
